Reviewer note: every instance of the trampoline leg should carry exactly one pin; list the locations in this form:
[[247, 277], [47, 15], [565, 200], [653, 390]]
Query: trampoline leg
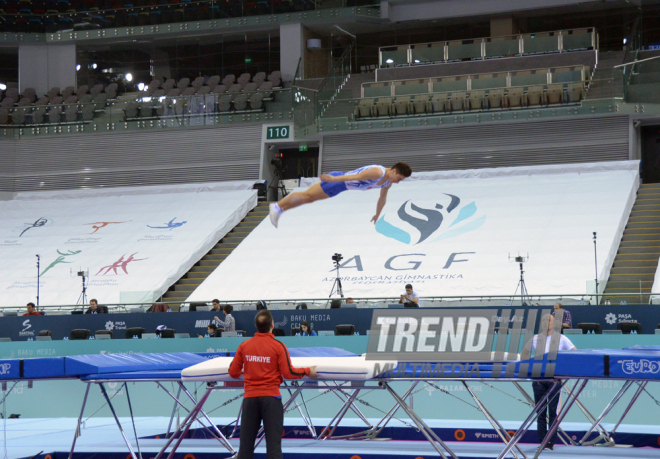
[[377, 429], [192, 417], [221, 438], [306, 417], [112, 409], [130, 410], [493, 422], [596, 421], [354, 408], [77, 434], [639, 391], [327, 431], [524, 427], [425, 429], [169, 426], [572, 397]]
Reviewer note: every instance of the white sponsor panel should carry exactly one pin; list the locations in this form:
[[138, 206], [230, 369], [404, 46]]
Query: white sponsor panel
[[134, 243], [448, 234]]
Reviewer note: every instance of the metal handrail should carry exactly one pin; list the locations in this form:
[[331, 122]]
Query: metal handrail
[[388, 299]]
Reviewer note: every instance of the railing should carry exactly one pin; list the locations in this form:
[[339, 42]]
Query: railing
[[310, 104], [366, 302], [531, 77], [146, 112], [490, 47], [63, 19]]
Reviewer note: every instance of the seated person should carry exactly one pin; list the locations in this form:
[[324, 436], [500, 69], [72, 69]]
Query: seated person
[[350, 301], [160, 307], [210, 331], [229, 324], [94, 308], [335, 303], [410, 298], [306, 329], [31, 310], [301, 306]]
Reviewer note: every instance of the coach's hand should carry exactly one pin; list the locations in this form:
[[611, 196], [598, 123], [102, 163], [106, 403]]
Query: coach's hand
[[312, 372], [328, 178]]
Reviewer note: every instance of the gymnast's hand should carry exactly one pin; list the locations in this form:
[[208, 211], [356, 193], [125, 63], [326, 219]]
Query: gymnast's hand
[[374, 219], [312, 372], [328, 178]]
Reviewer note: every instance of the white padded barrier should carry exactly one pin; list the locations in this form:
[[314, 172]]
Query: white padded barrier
[[135, 242], [447, 233]]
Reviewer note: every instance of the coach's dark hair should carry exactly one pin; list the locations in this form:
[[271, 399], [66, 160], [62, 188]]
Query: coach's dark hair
[[263, 321], [409, 286], [403, 168], [228, 308]]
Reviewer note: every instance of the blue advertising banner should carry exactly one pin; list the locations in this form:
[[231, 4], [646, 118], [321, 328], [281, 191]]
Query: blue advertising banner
[[24, 328]]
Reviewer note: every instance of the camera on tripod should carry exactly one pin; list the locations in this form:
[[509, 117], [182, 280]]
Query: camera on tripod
[[81, 273], [337, 257], [520, 259]]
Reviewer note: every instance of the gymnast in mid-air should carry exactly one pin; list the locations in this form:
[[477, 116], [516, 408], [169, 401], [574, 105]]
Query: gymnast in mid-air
[[364, 178]]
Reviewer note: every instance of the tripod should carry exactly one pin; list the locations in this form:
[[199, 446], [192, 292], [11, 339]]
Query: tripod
[[522, 287], [38, 278], [82, 299], [336, 286]]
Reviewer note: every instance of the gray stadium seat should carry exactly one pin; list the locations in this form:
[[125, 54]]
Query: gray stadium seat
[[250, 87], [54, 113], [224, 104], [87, 111], [244, 79], [555, 94], [71, 113], [365, 108], [458, 102], [259, 78], [39, 114], [213, 81], [476, 100], [383, 107], [267, 88], [535, 96], [514, 98], [183, 83], [229, 80], [420, 104], [131, 109], [495, 98], [575, 92], [234, 89], [256, 101], [240, 102], [402, 105], [100, 100]]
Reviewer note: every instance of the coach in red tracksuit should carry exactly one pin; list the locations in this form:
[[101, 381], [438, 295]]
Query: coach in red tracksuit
[[263, 361]]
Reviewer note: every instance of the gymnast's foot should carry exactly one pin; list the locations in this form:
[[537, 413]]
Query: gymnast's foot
[[275, 213]]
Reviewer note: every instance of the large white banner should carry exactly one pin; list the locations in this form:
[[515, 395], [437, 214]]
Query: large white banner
[[134, 243], [448, 234]]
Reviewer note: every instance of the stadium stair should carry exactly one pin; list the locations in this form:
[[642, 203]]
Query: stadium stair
[[637, 259], [182, 289], [605, 83], [351, 92]]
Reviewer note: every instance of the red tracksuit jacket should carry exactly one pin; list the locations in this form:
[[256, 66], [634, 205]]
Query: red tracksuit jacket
[[264, 361]]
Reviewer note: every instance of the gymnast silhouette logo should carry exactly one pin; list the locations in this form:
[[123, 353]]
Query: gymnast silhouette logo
[[98, 225], [120, 264], [445, 220], [60, 259], [169, 225], [38, 223]]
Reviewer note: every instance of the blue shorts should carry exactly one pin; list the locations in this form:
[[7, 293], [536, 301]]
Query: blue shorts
[[332, 189]]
